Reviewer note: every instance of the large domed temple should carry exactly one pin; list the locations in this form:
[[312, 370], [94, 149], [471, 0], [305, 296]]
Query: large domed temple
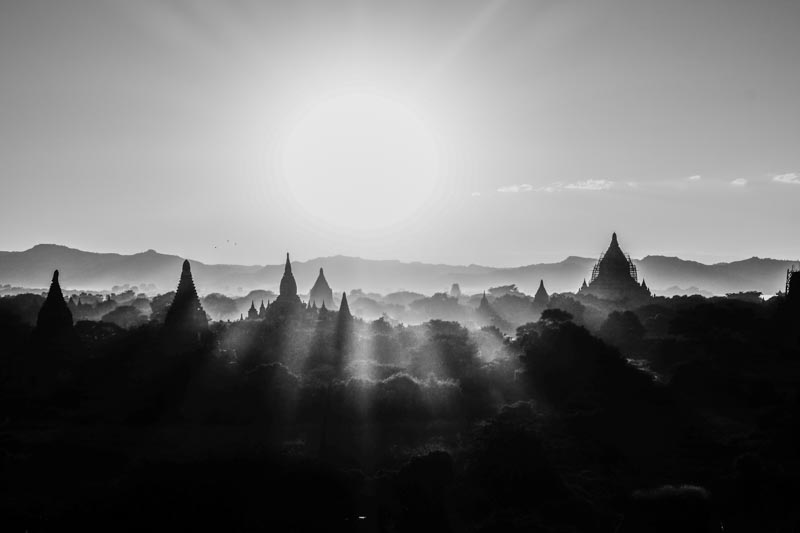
[[615, 277]]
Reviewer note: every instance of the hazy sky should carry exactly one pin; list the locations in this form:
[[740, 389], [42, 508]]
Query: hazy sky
[[499, 133]]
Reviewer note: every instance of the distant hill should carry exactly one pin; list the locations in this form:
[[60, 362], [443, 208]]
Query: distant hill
[[101, 271]]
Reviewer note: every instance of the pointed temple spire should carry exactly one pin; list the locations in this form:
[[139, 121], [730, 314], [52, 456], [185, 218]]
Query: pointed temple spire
[[541, 297], [486, 309], [186, 312], [344, 308], [321, 291], [484, 301], [343, 336], [252, 314], [488, 316], [54, 316], [288, 289], [584, 284]]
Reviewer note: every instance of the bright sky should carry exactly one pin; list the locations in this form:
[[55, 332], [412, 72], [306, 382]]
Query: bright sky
[[499, 133]]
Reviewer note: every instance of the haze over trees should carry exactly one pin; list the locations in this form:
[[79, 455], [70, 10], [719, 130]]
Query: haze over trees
[[153, 273], [589, 416]]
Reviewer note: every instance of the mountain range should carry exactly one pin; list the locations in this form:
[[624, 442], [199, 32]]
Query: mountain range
[[159, 273]]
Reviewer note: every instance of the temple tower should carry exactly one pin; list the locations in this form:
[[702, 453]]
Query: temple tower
[[455, 291], [541, 298], [344, 309], [252, 313], [487, 315], [54, 316], [321, 292], [186, 312], [484, 307], [614, 277], [288, 288]]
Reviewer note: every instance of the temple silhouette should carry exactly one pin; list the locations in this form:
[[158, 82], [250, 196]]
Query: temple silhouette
[[541, 298], [54, 316], [615, 277], [252, 313], [288, 287], [186, 313], [321, 292]]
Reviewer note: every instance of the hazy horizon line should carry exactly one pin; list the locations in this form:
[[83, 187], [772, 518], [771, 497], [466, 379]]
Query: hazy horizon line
[[405, 261]]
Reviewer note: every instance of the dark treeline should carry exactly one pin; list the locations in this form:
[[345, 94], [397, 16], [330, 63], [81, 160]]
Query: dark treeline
[[676, 415]]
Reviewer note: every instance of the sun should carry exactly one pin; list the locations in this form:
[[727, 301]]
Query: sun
[[360, 161]]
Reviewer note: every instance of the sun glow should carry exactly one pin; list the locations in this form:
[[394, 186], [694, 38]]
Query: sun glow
[[360, 161]]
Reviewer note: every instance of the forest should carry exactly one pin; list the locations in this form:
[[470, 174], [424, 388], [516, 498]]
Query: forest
[[676, 415]]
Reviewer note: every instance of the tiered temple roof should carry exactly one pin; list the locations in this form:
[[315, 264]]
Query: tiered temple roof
[[614, 277], [288, 289], [186, 312]]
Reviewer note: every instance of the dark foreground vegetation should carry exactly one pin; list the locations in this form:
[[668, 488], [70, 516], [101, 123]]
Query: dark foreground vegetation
[[681, 415]]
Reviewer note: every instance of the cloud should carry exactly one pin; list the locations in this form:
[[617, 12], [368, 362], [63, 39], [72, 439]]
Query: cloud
[[696, 177], [475, 194], [590, 185], [556, 186], [553, 187], [523, 187], [739, 182], [791, 177]]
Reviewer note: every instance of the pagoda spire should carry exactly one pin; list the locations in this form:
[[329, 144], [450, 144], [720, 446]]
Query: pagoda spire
[[484, 301], [541, 296], [54, 316], [186, 312], [321, 291], [344, 308], [288, 288], [343, 336]]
